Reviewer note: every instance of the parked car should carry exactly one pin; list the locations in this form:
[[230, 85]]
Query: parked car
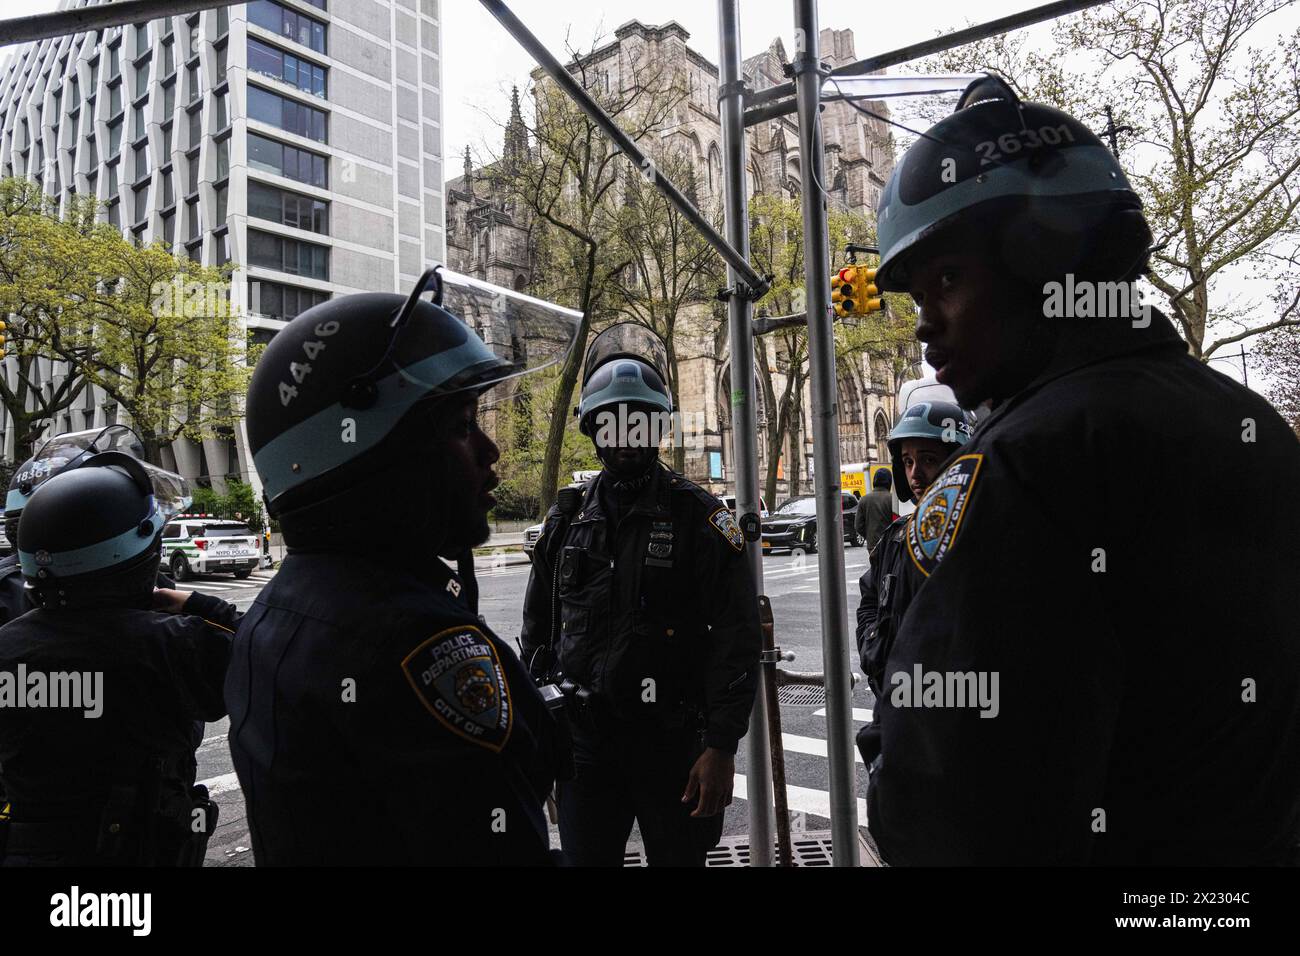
[[531, 535], [794, 524], [202, 544]]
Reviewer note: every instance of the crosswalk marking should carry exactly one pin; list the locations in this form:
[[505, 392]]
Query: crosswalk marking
[[222, 784], [860, 714], [810, 745], [815, 803]]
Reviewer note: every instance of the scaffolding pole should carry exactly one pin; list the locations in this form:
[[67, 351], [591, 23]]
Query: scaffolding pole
[[744, 419], [808, 75]]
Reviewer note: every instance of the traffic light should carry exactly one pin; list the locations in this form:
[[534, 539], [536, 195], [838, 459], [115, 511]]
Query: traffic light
[[854, 292], [865, 291], [844, 291], [3, 326]]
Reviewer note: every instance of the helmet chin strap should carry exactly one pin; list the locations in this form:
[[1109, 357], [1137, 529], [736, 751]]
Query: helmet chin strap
[[620, 477]]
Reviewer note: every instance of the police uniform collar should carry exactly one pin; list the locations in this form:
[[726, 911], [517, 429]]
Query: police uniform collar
[[652, 498], [1085, 342]]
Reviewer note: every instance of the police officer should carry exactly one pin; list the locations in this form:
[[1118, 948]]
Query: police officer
[[59, 454], [918, 445], [1127, 700], [375, 717], [639, 601], [101, 684]]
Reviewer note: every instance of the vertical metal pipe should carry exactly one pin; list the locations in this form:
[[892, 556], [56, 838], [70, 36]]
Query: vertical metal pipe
[[826, 447], [744, 413]]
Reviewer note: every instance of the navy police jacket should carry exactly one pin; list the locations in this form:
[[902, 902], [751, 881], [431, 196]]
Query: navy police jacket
[[375, 719], [655, 615], [1098, 669], [158, 674]]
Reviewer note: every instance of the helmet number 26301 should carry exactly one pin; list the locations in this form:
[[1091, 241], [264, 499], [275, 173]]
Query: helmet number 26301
[[1009, 143], [300, 370]]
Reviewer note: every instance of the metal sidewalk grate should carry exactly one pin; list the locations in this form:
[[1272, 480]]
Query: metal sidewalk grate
[[809, 850], [801, 695]]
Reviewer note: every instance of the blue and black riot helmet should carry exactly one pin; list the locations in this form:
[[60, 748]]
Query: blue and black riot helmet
[[626, 364], [91, 536], [336, 406], [1039, 189], [62, 453], [945, 422]]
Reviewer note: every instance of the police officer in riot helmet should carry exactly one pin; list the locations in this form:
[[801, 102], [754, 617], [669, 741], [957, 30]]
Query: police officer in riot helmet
[[368, 697], [59, 454], [103, 681], [1076, 682], [641, 606], [922, 440]]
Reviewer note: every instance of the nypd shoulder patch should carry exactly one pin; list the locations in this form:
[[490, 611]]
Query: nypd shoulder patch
[[932, 528], [458, 677], [724, 522]]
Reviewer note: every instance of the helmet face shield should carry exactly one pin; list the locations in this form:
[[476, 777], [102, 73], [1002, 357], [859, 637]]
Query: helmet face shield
[[516, 334], [626, 340], [70, 450]]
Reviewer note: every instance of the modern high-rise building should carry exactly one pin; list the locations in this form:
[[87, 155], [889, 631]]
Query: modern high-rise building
[[299, 139]]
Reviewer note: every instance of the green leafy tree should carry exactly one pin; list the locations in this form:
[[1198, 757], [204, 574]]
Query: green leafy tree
[[46, 279], [670, 266], [159, 337], [776, 247]]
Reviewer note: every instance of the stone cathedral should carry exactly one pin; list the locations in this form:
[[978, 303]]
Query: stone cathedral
[[488, 236]]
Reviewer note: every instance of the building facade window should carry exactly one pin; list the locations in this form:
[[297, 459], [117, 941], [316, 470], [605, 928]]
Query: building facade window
[[223, 195], [223, 158], [196, 128], [195, 223], [141, 204], [288, 208], [287, 255], [192, 184], [289, 115], [270, 61], [288, 23], [115, 139], [141, 162], [279, 301], [271, 156]]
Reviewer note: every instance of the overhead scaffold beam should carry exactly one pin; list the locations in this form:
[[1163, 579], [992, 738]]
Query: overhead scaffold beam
[[780, 100]]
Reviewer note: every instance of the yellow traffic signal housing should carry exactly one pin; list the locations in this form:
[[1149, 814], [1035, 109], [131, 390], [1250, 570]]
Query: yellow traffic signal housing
[[3, 327], [844, 294], [866, 293]]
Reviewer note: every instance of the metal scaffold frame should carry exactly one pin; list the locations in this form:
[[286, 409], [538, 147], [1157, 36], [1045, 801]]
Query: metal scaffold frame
[[738, 109]]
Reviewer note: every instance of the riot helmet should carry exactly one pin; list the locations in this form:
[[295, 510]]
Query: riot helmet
[[335, 402], [627, 363], [945, 422], [1044, 193], [92, 535], [71, 450]]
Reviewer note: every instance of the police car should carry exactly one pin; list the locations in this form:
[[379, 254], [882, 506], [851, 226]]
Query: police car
[[204, 544]]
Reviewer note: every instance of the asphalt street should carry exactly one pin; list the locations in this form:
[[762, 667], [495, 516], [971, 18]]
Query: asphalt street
[[791, 581]]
